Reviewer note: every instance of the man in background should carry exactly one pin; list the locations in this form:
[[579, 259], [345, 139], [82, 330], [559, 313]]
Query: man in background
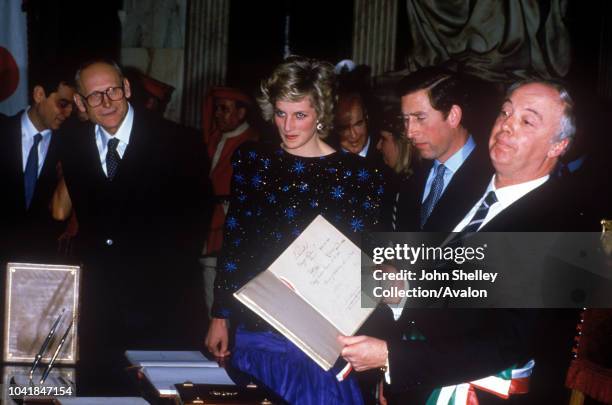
[[226, 127]]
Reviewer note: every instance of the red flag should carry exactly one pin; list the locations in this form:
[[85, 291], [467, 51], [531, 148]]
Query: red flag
[[13, 57]]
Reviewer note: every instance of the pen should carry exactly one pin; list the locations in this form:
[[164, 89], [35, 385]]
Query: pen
[[46, 342], [57, 351]]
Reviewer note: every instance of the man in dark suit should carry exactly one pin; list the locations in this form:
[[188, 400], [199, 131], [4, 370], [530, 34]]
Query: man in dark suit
[[351, 128], [28, 171], [137, 186], [454, 170], [534, 128]]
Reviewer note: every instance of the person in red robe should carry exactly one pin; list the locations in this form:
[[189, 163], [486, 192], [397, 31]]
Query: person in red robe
[[225, 129]]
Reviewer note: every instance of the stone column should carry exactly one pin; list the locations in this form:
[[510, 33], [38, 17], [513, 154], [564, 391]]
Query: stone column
[[205, 54], [374, 34]]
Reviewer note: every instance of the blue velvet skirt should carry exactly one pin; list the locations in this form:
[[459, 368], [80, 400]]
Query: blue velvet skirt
[[286, 370]]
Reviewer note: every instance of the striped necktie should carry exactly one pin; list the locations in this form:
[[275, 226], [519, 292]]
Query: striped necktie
[[435, 192], [481, 213]]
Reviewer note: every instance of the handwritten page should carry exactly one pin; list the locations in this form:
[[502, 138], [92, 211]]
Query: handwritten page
[[324, 268]]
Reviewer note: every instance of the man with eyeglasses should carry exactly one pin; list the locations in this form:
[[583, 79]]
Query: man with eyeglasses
[[136, 185], [28, 170], [454, 171]]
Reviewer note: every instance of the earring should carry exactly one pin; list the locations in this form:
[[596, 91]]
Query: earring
[[319, 127]]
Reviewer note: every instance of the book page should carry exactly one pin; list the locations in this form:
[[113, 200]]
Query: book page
[[324, 267], [282, 308], [144, 358]]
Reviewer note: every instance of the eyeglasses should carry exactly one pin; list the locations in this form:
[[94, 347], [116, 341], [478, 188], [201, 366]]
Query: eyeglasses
[[97, 97]]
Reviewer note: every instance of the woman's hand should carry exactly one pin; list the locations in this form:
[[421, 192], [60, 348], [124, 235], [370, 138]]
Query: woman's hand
[[217, 338]]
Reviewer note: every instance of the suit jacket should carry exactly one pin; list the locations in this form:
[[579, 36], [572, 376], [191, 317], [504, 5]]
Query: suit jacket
[[140, 234], [26, 234], [465, 188], [466, 344]]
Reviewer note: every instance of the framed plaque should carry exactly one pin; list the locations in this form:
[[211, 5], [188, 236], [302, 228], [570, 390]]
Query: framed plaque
[[37, 298]]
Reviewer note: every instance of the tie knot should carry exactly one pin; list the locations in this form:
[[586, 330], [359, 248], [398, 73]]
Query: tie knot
[[37, 139], [112, 144], [491, 198], [440, 170]]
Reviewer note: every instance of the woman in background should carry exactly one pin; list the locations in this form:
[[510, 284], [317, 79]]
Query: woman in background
[[277, 191], [398, 155]]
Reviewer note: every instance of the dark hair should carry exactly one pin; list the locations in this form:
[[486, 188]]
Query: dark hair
[[52, 77], [443, 86]]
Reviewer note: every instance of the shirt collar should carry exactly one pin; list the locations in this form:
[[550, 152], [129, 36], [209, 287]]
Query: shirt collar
[[28, 128], [456, 160], [364, 151], [124, 131], [509, 194]]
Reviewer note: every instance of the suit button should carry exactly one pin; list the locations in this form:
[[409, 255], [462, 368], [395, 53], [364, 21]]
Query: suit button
[[109, 242]]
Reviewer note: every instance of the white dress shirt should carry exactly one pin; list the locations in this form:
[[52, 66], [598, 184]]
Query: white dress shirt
[[28, 131], [505, 197], [123, 134]]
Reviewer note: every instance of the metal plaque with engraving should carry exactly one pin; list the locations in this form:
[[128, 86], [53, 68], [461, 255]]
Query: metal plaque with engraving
[[37, 295]]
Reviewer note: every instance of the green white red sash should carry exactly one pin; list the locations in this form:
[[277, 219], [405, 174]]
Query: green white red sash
[[508, 382]]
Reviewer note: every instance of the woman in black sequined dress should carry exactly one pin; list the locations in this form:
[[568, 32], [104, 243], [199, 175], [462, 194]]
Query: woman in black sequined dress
[[276, 192]]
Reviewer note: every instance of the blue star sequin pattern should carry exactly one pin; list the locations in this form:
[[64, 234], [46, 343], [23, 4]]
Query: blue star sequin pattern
[[230, 266], [239, 178], [298, 167], [231, 223], [337, 192], [256, 181], [276, 196], [290, 213], [363, 175], [357, 225]]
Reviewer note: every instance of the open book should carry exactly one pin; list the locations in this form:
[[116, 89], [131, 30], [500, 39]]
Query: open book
[[312, 292], [157, 358]]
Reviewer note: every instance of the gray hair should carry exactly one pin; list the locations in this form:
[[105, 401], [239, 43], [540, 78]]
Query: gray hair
[[109, 62], [567, 125]]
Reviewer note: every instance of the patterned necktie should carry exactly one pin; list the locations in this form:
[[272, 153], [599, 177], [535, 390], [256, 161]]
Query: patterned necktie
[[30, 175], [434, 195], [112, 158], [481, 213]]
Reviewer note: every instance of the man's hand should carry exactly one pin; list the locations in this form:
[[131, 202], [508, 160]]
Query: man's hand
[[217, 338], [364, 352]]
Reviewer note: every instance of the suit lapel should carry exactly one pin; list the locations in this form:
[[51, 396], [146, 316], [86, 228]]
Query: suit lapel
[[14, 157]]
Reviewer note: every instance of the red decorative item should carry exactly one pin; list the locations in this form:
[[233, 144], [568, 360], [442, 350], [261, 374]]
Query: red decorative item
[[591, 371], [9, 74]]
